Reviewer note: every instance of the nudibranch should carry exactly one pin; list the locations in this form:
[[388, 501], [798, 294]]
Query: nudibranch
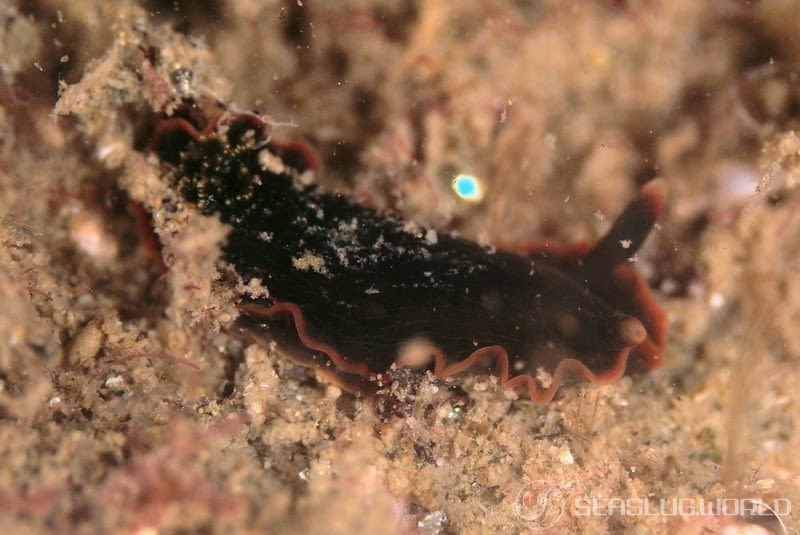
[[359, 293]]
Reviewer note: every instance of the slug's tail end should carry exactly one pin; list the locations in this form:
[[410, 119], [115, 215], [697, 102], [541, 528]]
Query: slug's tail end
[[631, 229]]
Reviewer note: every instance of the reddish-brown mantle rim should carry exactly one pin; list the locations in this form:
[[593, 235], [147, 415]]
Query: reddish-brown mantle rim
[[442, 369]]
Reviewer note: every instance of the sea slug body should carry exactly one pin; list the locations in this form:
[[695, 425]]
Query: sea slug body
[[358, 293]]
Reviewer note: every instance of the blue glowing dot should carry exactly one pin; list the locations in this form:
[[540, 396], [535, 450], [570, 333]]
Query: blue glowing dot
[[468, 188]]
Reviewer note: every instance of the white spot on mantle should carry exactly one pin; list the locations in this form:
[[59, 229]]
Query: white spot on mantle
[[431, 237]]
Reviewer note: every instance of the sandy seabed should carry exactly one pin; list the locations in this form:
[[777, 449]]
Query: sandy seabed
[[129, 403]]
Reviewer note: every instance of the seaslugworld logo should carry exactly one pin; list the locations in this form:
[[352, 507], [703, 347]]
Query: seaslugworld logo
[[541, 504]]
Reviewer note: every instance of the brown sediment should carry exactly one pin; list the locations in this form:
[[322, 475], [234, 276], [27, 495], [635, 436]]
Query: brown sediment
[[561, 110]]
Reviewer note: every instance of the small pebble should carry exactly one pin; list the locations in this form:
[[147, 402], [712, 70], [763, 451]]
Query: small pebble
[[86, 345]]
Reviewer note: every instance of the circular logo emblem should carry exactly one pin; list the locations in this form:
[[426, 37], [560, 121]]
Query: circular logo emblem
[[540, 503]]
